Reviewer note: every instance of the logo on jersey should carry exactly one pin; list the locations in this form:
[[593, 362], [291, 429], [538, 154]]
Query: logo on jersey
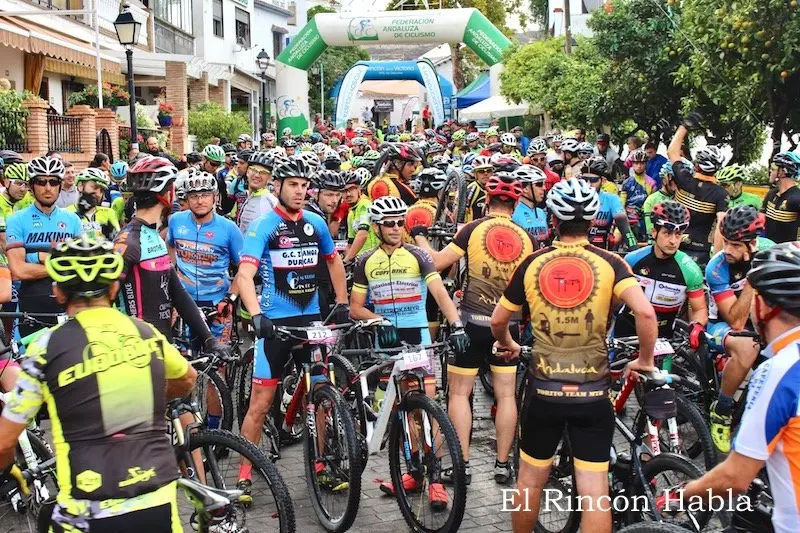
[[308, 229], [503, 243], [287, 242], [183, 230], [209, 235], [291, 279], [62, 226], [566, 281]]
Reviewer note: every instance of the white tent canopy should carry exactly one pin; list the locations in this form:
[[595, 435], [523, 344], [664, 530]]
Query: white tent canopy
[[496, 107]]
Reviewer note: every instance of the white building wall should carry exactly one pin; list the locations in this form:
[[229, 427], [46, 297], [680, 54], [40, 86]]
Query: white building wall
[[56, 95], [12, 66]]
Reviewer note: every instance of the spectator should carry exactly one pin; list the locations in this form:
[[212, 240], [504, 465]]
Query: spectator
[[349, 132], [53, 153], [604, 149], [522, 141], [473, 127], [102, 162], [69, 192], [654, 162], [152, 148], [580, 135], [426, 116]]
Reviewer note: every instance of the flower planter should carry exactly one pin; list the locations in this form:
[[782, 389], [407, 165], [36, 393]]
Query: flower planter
[[165, 121]]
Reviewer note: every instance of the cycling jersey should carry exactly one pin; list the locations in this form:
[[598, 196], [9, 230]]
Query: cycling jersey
[[358, 220], [204, 253], [476, 201], [389, 184], [493, 247], [567, 290], [783, 215], [102, 376], [746, 198], [725, 279], [770, 426], [257, 204], [422, 213], [534, 221], [7, 208], [667, 283], [286, 251], [653, 200], [237, 190], [397, 284], [635, 190], [603, 223], [704, 198], [118, 205], [102, 222]]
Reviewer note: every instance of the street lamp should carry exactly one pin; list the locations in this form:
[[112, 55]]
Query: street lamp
[[128, 35], [262, 61]]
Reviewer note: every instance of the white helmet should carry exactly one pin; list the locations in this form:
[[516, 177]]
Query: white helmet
[[45, 166], [573, 199], [481, 162], [709, 159], [319, 148], [529, 174], [586, 148], [385, 207], [364, 176], [570, 145], [508, 139], [537, 146], [199, 181], [310, 159], [95, 175]]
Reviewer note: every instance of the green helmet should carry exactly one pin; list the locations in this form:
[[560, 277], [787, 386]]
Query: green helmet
[[730, 174], [17, 171], [93, 174], [356, 161], [214, 153], [84, 266], [459, 135], [372, 155], [307, 132]]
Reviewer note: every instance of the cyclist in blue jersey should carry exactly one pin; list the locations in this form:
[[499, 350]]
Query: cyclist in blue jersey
[[726, 277], [595, 170], [30, 234], [530, 213], [634, 192], [284, 246]]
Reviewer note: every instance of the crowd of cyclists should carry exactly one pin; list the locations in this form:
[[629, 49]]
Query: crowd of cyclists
[[486, 239]]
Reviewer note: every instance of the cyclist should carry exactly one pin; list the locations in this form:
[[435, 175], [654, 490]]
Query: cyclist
[[699, 191], [782, 203], [731, 178], [537, 156], [664, 194], [493, 246], [267, 141], [119, 196], [668, 276], [289, 145], [244, 142], [97, 220], [230, 152], [259, 200], [360, 233], [769, 425], [285, 246], [572, 163], [635, 189], [429, 184], [510, 146], [473, 143], [237, 189], [359, 146], [326, 199], [726, 277], [15, 187], [213, 160], [530, 212], [29, 235], [115, 410], [567, 289], [610, 213], [402, 163], [482, 169], [397, 279], [458, 149]]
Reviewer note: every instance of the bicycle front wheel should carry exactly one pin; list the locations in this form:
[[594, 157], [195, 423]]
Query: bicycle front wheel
[[214, 398], [422, 444], [332, 458]]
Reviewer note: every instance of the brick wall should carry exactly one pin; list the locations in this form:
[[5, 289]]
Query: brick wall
[[177, 95], [37, 127], [106, 118], [219, 93], [198, 91]]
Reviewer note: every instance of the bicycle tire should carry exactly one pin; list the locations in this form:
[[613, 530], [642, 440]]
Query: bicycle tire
[[244, 384], [412, 401], [217, 438], [652, 527], [41, 513], [352, 462], [485, 376], [345, 375], [200, 391], [689, 412]]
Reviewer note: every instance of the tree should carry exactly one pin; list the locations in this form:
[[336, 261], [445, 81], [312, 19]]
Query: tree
[[335, 61], [207, 121]]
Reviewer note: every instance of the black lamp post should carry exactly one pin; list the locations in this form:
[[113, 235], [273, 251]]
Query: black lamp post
[[128, 35], [262, 61]]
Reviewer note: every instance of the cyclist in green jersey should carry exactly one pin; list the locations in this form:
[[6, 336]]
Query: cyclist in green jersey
[[665, 193], [360, 233], [731, 178], [97, 220], [15, 187]]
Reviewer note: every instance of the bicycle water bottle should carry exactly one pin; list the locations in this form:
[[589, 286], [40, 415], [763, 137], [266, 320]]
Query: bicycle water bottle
[[285, 399]]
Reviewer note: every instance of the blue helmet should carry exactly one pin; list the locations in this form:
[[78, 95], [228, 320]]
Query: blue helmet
[[789, 161], [119, 170]]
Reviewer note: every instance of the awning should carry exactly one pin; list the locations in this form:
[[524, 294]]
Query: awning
[[57, 66], [473, 93], [29, 37], [497, 106]]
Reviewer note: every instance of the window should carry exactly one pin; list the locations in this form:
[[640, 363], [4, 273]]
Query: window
[[242, 27], [217, 19], [277, 40], [178, 15]]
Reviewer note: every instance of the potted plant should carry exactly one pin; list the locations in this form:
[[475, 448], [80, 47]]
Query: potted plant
[[113, 96], [165, 112]]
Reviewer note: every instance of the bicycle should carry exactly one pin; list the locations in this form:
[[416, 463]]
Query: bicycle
[[422, 440]]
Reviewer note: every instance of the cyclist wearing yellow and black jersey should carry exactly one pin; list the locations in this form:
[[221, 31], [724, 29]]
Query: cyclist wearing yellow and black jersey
[[493, 246], [402, 163], [567, 289], [699, 191], [97, 220], [15, 187], [482, 169], [782, 203], [360, 234], [105, 379]]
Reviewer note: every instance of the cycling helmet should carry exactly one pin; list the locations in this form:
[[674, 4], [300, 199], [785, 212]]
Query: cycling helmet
[[672, 212], [362, 176], [469, 158], [419, 137], [385, 207], [244, 155], [405, 137], [775, 274], [430, 181], [529, 174], [492, 132], [367, 164], [306, 147], [504, 163], [596, 164], [319, 148], [199, 181], [268, 136], [731, 174], [214, 153], [459, 135], [228, 148], [554, 158], [372, 155], [570, 145], [472, 137], [666, 171], [442, 162], [508, 139], [685, 163], [315, 137], [45, 166], [356, 161], [637, 156], [585, 148], [709, 159], [93, 174], [286, 132], [307, 132], [430, 133], [289, 143], [742, 223], [402, 152], [556, 137], [151, 174], [504, 184], [334, 141], [244, 138], [482, 162], [573, 199], [342, 149], [331, 160], [265, 159], [537, 146], [789, 161], [17, 172], [84, 266], [310, 159], [359, 141], [10, 156], [434, 148], [193, 158], [292, 167], [329, 180], [180, 185], [392, 138], [119, 170]]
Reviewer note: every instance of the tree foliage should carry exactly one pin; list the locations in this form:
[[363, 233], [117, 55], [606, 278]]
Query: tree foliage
[[211, 120]]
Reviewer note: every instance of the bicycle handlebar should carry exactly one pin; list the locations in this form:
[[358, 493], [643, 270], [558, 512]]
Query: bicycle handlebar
[[34, 473], [400, 349]]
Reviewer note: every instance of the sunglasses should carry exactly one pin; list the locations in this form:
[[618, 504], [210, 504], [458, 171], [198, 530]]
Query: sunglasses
[[672, 227], [53, 182], [591, 179], [214, 163], [539, 159], [393, 223], [539, 185]]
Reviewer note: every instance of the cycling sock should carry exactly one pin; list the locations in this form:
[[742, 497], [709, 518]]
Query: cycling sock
[[245, 471], [498, 464], [724, 405], [213, 421]]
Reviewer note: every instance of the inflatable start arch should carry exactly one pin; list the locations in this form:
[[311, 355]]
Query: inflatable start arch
[[469, 26]]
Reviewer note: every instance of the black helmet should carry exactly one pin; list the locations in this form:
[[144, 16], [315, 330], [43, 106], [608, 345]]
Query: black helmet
[[351, 177], [742, 223], [228, 148], [671, 214], [10, 156], [84, 266], [244, 155], [596, 164], [292, 167], [193, 158], [329, 180], [403, 152], [775, 274]]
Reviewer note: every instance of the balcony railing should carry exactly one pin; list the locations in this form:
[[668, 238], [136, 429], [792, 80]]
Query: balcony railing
[[12, 130], [170, 40], [64, 134]]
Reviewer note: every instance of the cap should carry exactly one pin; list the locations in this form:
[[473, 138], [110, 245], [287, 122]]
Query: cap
[[603, 137]]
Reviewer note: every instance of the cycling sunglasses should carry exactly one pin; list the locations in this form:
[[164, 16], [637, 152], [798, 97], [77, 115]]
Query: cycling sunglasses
[[393, 223], [672, 227], [53, 182], [539, 158], [591, 179]]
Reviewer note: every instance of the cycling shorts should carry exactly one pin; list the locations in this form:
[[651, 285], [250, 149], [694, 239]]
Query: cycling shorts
[[590, 428], [717, 332], [272, 355], [432, 310], [160, 519], [479, 354]]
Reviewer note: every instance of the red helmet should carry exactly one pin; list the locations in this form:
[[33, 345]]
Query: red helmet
[[151, 174], [504, 184]]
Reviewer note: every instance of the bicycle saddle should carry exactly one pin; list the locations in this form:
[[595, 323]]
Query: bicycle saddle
[[211, 498]]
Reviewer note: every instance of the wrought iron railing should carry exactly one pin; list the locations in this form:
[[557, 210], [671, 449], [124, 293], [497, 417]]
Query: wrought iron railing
[[64, 134]]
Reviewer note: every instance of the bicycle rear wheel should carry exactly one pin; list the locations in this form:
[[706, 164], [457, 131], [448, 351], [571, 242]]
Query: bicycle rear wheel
[[695, 438], [212, 394], [422, 443], [562, 515]]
